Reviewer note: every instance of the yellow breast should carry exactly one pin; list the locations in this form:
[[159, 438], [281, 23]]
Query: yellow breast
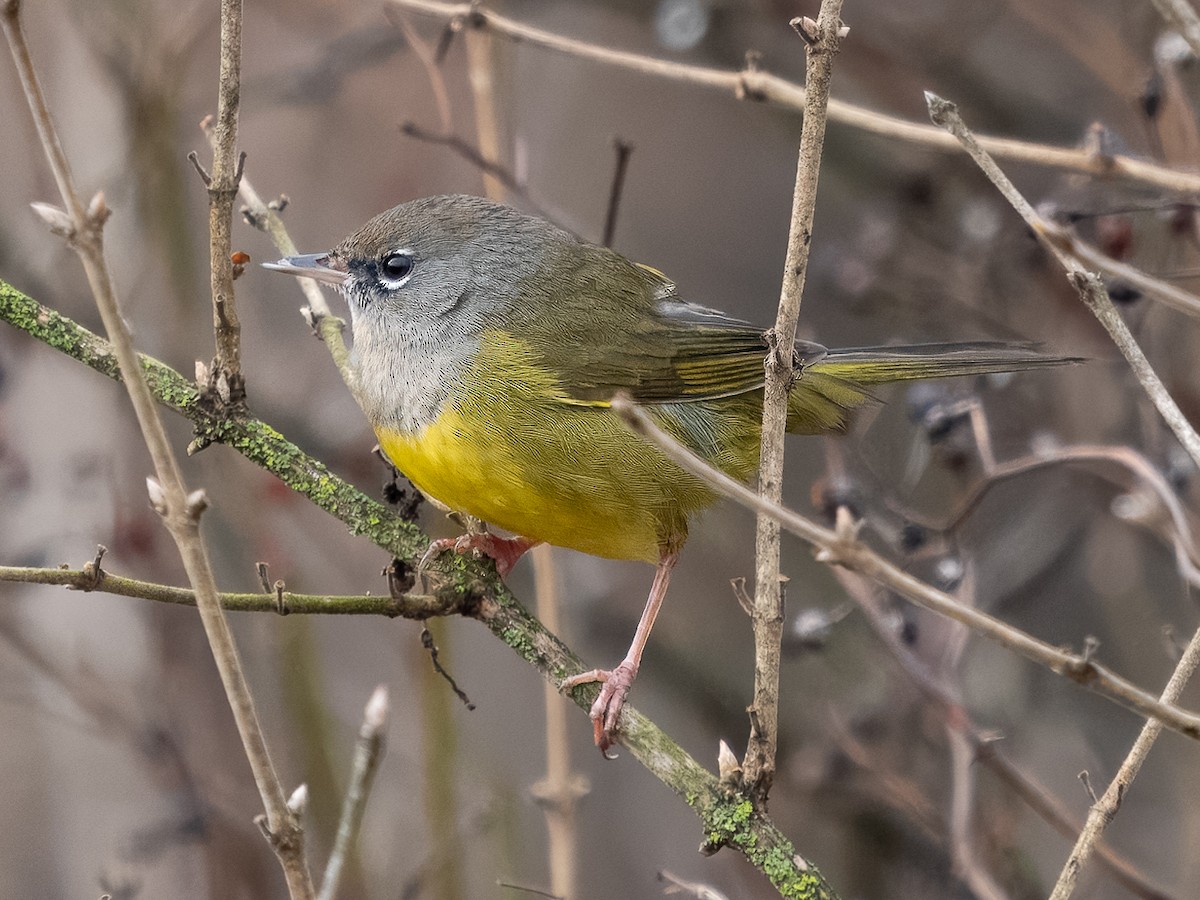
[[505, 450]]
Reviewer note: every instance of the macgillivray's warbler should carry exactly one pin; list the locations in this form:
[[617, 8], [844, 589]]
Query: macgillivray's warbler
[[488, 345]]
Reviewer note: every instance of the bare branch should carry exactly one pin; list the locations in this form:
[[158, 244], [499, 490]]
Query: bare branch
[[178, 515], [841, 548], [767, 619], [754, 84], [222, 189], [368, 752], [1091, 291]]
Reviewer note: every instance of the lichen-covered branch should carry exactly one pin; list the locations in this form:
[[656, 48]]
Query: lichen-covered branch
[[469, 584]]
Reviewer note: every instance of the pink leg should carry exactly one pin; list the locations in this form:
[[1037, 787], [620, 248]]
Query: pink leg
[[505, 551], [606, 711]]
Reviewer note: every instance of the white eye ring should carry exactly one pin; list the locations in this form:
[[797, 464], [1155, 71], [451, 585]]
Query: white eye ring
[[395, 268]]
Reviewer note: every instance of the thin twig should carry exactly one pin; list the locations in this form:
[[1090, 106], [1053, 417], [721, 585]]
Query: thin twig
[[623, 149], [1096, 298], [1091, 291], [428, 57], [475, 158], [482, 76], [755, 84], [1155, 288], [963, 842], [179, 508], [459, 580], [759, 764], [1104, 809], [1177, 530], [559, 792], [841, 548], [368, 751], [984, 746], [222, 189], [408, 606], [318, 314]]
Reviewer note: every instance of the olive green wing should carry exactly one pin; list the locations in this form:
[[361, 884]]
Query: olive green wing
[[646, 342]]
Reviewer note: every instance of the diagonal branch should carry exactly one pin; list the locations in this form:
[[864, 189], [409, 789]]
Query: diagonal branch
[[180, 509], [840, 547], [726, 820], [1094, 296]]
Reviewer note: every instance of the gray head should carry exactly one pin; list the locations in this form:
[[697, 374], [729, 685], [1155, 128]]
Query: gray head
[[452, 259], [424, 280]]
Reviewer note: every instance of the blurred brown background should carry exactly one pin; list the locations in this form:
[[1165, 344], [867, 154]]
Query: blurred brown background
[[118, 762]]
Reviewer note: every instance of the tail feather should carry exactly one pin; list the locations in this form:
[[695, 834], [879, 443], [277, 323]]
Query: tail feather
[[835, 384]]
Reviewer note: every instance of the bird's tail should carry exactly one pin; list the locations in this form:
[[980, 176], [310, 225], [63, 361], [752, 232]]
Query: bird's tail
[[838, 382]]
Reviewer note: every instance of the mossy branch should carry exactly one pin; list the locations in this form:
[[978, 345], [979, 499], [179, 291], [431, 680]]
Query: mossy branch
[[459, 583]]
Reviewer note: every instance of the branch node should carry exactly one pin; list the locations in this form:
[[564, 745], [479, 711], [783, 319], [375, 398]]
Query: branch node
[[942, 112], [1087, 785], [92, 573], [253, 219], [807, 29], [745, 601], [298, 802], [261, 821]]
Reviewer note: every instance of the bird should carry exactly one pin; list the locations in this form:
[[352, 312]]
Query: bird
[[488, 346]]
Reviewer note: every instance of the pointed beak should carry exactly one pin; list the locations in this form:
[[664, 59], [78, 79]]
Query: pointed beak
[[318, 266]]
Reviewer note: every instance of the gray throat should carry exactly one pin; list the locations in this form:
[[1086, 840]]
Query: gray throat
[[404, 378]]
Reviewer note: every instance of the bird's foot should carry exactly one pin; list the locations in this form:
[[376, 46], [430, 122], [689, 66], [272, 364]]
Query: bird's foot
[[504, 551], [606, 711]]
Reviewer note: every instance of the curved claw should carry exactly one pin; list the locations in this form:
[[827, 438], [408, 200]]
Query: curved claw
[[606, 710]]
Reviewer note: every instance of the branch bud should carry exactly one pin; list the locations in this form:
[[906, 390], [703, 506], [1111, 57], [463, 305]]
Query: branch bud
[[376, 715], [196, 504], [158, 497], [56, 217]]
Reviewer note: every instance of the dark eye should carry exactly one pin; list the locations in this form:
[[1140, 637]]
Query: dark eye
[[396, 266]]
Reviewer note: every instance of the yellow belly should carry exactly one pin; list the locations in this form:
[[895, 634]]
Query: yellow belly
[[508, 449], [470, 470]]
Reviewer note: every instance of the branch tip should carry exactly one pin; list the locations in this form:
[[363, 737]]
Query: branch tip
[[378, 708], [942, 112]]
